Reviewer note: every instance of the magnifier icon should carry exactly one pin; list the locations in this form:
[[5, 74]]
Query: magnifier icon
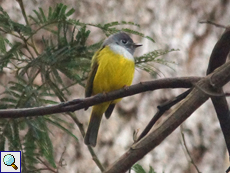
[[9, 160]]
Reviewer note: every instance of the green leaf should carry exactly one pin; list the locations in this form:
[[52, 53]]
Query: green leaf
[[132, 32], [151, 170], [43, 15], [34, 19], [70, 12], [62, 11], [145, 62], [62, 127], [48, 102], [138, 168], [9, 55], [2, 45], [17, 142], [8, 133], [9, 100], [149, 38], [24, 29], [56, 76], [107, 25], [46, 147], [18, 86], [116, 23], [42, 139], [50, 13], [130, 23], [38, 16], [30, 148], [55, 12]]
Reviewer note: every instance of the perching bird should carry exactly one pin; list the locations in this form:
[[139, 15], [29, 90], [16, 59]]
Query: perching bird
[[112, 68]]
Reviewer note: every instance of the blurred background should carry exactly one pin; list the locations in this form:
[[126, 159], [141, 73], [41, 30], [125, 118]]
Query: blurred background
[[172, 24]]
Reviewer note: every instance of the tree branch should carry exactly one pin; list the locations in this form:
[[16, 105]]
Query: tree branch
[[71, 106], [193, 101], [161, 110], [218, 57], [187, 151]]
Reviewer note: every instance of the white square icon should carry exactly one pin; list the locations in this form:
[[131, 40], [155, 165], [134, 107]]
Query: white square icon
[[10, 161]]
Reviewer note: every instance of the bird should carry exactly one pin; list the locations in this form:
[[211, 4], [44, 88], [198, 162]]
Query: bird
[[112, 68]]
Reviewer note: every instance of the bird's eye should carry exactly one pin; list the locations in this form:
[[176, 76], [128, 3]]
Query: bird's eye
[[124, 41]]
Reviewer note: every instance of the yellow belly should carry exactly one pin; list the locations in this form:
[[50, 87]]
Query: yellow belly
[[114, 71]]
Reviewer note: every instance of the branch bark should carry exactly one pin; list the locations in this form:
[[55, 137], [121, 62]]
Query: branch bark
[[218, 57], [71, 106], [193, 101]]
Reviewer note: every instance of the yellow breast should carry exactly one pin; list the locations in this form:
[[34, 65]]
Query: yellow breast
[[115, 69]]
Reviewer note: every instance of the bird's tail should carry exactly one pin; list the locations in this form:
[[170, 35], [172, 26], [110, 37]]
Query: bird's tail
[[94, 124]]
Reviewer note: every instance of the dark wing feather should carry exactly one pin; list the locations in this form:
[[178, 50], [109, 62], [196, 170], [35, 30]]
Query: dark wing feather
[[109, 111], [94, 67], [89, 84]]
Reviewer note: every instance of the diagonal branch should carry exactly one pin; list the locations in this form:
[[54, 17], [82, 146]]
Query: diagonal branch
[[161, 110], [71, 106], [218, 57], [193, 101]]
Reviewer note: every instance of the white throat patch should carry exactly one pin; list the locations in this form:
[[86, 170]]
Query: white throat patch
[[122, 51]]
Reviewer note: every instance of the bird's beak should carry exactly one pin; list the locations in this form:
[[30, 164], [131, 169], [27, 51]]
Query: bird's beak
[[137, 45]]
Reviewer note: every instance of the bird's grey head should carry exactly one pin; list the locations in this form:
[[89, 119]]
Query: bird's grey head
[[122, 39]]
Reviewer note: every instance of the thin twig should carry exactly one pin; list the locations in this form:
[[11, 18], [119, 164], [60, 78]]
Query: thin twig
[[42, 27], [50, 169], [213, 23], [81, 128], [17, 36], [26, 44], [95, 158], [61, 159], [79, 124], [11, 33], [161, 110], [27, 23], [187, 151], [23, 11]]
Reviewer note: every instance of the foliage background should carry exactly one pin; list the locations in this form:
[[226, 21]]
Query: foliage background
[[172, 24]]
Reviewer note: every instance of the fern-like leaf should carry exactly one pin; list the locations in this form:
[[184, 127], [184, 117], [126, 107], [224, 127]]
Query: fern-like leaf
[[145, 61], [138, 168], [56, 123]]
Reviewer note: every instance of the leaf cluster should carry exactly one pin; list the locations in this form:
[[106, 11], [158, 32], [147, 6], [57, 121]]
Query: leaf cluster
[[51, 48], [139, 169], [145, 62]]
